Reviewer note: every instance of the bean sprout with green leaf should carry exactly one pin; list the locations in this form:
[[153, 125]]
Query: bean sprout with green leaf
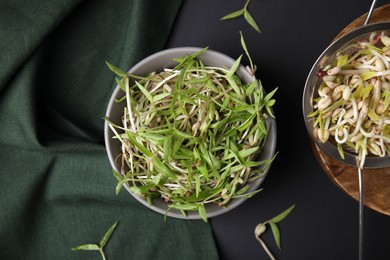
[[352, 108], [192, 134]]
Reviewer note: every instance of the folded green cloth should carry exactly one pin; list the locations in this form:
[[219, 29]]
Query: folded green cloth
[[56, 186]]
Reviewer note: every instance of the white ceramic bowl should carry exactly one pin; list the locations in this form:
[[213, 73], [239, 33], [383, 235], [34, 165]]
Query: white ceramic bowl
[[157, 62]]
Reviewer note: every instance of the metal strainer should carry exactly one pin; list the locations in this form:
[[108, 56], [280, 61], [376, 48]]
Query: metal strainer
[[310, 92]]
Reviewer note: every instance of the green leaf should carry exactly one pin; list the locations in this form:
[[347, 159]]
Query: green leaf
[[282, 215], [211, 161], [342, 60], [242, 190], [144, 91], [160, 96], [341, 150], [373, 115], [251, 88], [386, 102], [234, 67], [86, 247], [276, 233], [269, 111], [138, 145], [271, 103], [202, 212], [117, 175], [179, 133], [243, 44], [121, 84], [186, 206], [234, 85], [368, 75], [247, 123], [183, 61], [269, 95], [116, 70], [119, 186], [366, 91], [233, 15], [168, 148], [246, 152], [107, 236], [156, 180], [248, 17], [162, 168], [135, 190]]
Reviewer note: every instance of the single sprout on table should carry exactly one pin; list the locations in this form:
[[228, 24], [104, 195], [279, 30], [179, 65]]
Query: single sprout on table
[[191, 134], [352, 108], [98, 247], [247, 16], [262, 227]]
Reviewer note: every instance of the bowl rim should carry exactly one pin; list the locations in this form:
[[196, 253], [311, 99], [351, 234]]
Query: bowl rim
[[269, 148]]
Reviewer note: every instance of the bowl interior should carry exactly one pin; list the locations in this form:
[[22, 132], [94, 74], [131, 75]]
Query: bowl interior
[[313, 82], [157, 62]]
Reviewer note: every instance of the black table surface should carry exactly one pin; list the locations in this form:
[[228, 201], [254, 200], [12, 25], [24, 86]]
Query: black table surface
[[324, 223]]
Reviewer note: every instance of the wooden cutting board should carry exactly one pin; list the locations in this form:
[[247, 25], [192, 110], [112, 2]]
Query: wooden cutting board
[[376, 182]]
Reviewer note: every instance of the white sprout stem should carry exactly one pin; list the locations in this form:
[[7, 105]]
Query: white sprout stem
[[382, 146], [244, 135], [327, 123], [125, 126], [381, 57], [358, 125], [161, 83], [345, 134], [355, 110], [374, 136], [266, 248], [129, 110], [116, 133]]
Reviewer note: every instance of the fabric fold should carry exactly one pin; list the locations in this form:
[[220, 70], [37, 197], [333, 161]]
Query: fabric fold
[[56, 185], [24, 25]]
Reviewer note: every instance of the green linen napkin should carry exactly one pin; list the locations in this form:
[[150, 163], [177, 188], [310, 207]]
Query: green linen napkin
[[56, 186]]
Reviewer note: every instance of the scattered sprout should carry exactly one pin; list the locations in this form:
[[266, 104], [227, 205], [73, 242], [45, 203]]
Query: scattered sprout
[[98, 247], [262, 227], [243, 12]]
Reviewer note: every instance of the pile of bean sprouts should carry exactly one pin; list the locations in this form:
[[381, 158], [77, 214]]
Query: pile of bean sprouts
[[352, 108], [192, 134]]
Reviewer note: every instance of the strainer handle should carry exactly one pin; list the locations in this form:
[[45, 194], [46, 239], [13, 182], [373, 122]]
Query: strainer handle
[[370, 12]]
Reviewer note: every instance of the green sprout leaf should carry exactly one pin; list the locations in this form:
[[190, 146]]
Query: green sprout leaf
[[233, 15], [261, 228], [282, 215], [121, 181], [247, 16], [245, 48], [86, 247], [202, 212], [276, 233], [235, 66], [98, 247], [108, 234], [116, 70]]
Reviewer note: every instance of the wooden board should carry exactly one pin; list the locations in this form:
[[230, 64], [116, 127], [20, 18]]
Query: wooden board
[[376, 182]]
